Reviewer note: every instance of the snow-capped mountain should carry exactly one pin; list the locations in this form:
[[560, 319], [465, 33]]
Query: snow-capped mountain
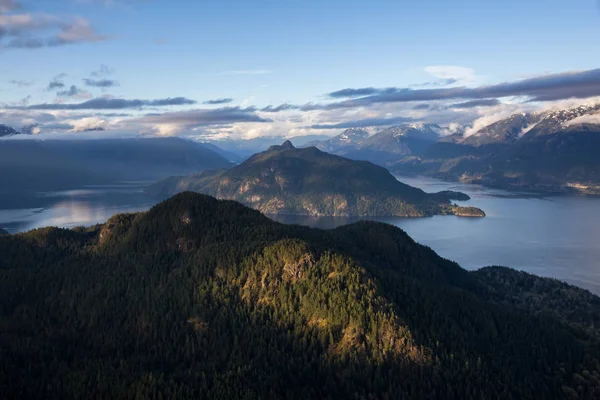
[[557, 120], [506, 131], [350, 138], [510, 130], [555, 150]]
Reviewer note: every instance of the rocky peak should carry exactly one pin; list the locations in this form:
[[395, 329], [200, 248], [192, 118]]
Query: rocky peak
[[287, 145]]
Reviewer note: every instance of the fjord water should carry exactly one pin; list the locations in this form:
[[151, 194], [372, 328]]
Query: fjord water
[[553, 236]]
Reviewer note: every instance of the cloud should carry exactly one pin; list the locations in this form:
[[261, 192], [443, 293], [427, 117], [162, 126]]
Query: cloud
[[579, 84], [247, 72], [74, 92], [279, 108], [20, 83], [112, 104], [101, 83], [585, 119], [34, 31], [218, 101], [364, 123], [56, 83], [8, 5], [494, 114], [173, 122], [439, 82], [422, 106], [368, 91], [104, 70], [452, 73], [476, 103], [87, 124]]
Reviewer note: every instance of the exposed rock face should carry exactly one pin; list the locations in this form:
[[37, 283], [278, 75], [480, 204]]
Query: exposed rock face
[[287, 180]]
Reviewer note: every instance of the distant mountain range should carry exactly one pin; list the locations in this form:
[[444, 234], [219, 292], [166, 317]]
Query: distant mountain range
[[288, 180], [245, 148], [30, 166], [385, 146], [549, 151]]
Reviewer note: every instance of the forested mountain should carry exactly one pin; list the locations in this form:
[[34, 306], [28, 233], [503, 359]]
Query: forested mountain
[[205, 298], [29, 166], [287, 180]]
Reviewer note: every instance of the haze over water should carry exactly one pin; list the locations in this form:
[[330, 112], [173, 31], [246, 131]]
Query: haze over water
[[553, 236]]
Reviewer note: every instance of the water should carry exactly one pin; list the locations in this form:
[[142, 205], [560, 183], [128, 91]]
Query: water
[[81, 207], [547, 236], [554, 236]]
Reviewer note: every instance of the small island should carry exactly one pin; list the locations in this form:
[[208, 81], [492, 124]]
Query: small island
[[288, 180]]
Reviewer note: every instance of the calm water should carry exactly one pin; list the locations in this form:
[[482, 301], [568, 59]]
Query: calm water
[[557, 237], [86, 206], [550, 236]]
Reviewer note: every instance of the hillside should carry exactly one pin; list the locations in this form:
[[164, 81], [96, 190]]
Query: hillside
[[287, 180], [200, 298]]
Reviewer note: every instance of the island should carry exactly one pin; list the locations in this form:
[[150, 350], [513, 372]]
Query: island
[[307, 181]]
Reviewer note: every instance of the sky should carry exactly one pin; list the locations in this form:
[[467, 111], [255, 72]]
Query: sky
[[247, 68]]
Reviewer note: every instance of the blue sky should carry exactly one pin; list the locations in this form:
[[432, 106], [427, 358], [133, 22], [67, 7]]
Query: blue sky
[[271, 52]]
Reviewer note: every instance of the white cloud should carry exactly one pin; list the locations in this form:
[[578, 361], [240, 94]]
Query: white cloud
[[461, 74], [494, 114], [83, 124], [585, 119]]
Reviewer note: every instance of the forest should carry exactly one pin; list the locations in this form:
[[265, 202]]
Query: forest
[[205, 298]]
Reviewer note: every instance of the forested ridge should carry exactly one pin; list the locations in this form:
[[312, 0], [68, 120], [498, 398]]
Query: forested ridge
[[205, 298]]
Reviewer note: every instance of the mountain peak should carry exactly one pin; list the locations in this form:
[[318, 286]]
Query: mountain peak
[[287, 145]]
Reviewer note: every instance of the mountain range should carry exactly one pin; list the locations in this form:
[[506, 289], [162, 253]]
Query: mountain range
[[245, 148], [31, 166], [308, 181], [205, 298], [548, 151]]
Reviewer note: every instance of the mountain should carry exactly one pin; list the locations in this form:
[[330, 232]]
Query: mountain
[[30, 166], [139, 158], [384, 147], [228, 155], [350, 138], [288, 180], [201, 298], [553, 151], [506, 131], [7, 131], [3, 232], [247, 147]]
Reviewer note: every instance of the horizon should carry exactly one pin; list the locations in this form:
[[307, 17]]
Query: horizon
[[239, 70]]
